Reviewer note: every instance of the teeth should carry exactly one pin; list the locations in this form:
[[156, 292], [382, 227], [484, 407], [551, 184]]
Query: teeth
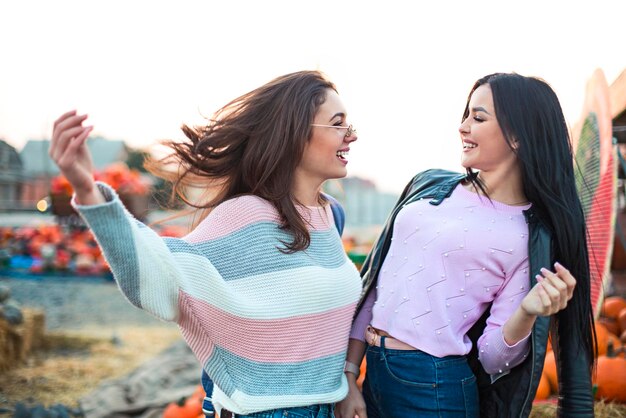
[[342, 154], [468, 145]]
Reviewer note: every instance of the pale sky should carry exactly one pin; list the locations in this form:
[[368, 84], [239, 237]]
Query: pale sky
[[403, 68]]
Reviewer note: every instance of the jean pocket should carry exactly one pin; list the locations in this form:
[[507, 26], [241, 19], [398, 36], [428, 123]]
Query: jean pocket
[[409, 370], [297, 414], [470, 396], [264, 414]]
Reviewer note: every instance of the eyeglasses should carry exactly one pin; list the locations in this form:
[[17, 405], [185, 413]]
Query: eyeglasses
[[349, 129]]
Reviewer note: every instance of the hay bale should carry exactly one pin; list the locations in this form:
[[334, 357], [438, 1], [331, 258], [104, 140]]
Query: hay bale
[[18, 341], [602, 409], [9, 346], [32, 331]]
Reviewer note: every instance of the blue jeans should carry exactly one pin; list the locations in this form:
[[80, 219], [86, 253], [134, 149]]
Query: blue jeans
[[207, 404], [411, 383], [312, 411]]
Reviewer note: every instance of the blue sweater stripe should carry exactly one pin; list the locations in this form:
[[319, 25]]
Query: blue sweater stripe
[[259, 258], [252, 377]]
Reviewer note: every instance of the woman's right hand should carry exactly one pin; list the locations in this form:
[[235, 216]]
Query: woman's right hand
[[353, 405], [69, 152]]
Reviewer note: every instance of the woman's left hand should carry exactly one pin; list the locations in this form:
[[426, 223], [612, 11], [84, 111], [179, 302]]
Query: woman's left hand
[[551, 293]]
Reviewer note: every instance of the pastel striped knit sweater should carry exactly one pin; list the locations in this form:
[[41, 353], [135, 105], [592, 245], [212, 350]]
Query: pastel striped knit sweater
[[270, 329]]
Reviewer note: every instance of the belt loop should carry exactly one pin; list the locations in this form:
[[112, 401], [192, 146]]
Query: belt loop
[[383, 350]]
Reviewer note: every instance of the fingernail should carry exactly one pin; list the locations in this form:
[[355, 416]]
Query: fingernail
[[545, 270], [557, 265], [539, 277]]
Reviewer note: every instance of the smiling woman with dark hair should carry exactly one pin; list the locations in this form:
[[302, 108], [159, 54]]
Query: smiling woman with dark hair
[[467, 279], [264, 273]]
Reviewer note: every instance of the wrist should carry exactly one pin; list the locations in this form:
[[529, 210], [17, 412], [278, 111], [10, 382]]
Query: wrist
[[89, 196], [525, 314], [350, 368]]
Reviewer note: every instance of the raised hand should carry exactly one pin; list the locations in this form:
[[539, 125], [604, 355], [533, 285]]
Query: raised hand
[[70, 154], [551, 293]]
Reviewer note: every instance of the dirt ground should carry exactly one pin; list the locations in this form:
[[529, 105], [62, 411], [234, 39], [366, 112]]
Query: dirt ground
[[76, 362], [92, 334]]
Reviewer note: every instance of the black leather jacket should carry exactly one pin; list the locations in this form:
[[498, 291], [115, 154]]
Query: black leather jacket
[[511, 395]]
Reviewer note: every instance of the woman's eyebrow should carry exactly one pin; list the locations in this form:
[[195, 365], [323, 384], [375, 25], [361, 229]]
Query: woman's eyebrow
[[338, 114], [480, 109]]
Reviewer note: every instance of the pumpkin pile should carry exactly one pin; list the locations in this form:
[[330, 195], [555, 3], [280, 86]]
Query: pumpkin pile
[[132, 188], [609, 379], [51, 248], [55, 249], [117, 175]]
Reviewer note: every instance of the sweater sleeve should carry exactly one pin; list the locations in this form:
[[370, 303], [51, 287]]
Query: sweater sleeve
[[495, 354], [363, 318], [149, 270]]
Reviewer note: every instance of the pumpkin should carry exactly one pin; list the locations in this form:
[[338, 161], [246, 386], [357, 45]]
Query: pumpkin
[[621, 320], [184, 408], [602, 335], [610, 376], [199, 392], [612, 306], [543, 390], [611, 324], [193, 406], [549, 369]]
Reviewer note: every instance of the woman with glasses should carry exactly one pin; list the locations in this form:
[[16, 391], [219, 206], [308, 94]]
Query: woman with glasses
[[261, 288], [469, 275]]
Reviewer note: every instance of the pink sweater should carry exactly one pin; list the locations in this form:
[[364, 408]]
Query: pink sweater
[[445, 265]]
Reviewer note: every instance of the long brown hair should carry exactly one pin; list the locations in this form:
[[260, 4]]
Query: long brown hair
[[251, 146]]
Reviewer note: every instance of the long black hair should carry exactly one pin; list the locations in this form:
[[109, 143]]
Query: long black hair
[[533, 124]]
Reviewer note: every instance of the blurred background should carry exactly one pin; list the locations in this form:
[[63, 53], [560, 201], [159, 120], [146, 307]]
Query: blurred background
[[141, 69]]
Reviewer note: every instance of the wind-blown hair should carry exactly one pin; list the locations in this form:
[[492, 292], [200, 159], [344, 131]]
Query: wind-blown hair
[[530, 115], [252, 145]]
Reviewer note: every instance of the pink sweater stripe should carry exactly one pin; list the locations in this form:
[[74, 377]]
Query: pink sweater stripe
[[192, 330], [284, 340]]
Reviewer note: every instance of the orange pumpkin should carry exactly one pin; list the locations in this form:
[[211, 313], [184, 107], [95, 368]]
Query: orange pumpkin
[[602, 335], [549, 369], [193, 406], [621, 320], [611, 324], [185, 408], [543, 390], [199, 392], [610, 376], [612, 306]]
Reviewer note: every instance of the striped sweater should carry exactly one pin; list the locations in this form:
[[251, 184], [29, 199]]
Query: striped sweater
[[271, 329]]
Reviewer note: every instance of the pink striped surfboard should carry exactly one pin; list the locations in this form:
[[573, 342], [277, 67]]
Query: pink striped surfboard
[[596, 181]]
